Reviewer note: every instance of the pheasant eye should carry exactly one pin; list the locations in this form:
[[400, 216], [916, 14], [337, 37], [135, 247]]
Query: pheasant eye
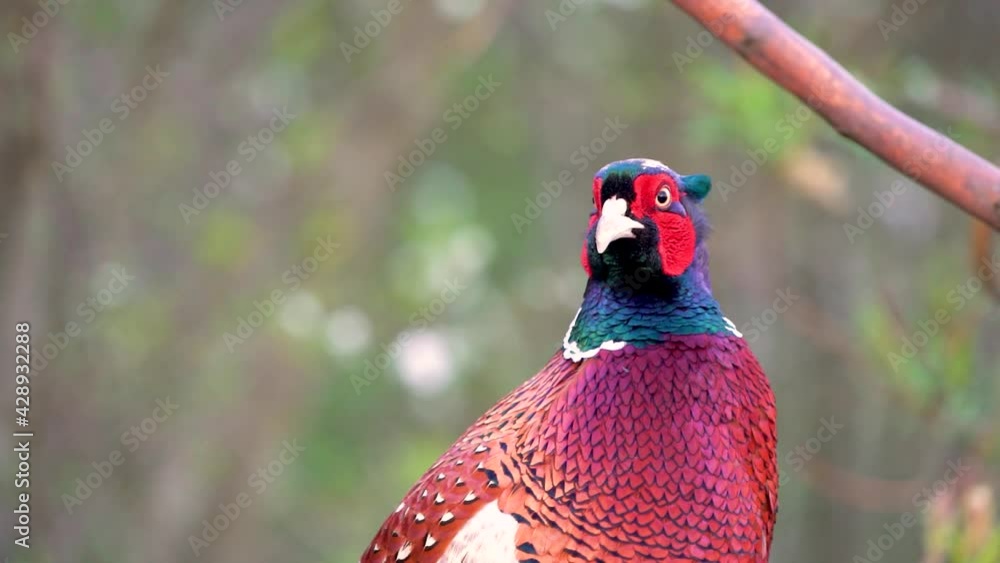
[[663, 199]]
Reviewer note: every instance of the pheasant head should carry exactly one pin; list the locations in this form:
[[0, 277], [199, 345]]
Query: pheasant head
[[646, 219]]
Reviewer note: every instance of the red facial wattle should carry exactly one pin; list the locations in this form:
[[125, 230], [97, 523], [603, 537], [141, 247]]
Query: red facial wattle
[[584, 257], [677, 239], [675, 233]]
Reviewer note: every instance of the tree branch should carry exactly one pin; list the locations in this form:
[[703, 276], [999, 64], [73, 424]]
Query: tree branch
[[790, 60]]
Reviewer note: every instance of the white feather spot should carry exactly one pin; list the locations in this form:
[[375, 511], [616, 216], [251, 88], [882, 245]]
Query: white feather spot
[[404, 552], [650, 163], [448, 517], [469, 497], [488, 537], [419, 517], [731, 327], [429, 542], [572, 351], [439, 499]]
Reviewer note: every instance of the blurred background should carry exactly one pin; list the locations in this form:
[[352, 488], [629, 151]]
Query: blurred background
[[277, 255]]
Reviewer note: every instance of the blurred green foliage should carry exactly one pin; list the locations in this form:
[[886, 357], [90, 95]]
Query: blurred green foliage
[[451, 222]]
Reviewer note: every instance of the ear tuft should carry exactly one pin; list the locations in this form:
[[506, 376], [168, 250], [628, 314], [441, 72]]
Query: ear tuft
[[697, 186]]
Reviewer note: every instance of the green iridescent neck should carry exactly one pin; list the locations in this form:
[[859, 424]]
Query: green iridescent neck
[[641, 309]]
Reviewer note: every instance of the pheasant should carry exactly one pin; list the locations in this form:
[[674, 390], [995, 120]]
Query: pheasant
[[649, 436]]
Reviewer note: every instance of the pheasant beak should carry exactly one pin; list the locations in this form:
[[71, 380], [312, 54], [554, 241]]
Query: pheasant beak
[[613, 223]]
